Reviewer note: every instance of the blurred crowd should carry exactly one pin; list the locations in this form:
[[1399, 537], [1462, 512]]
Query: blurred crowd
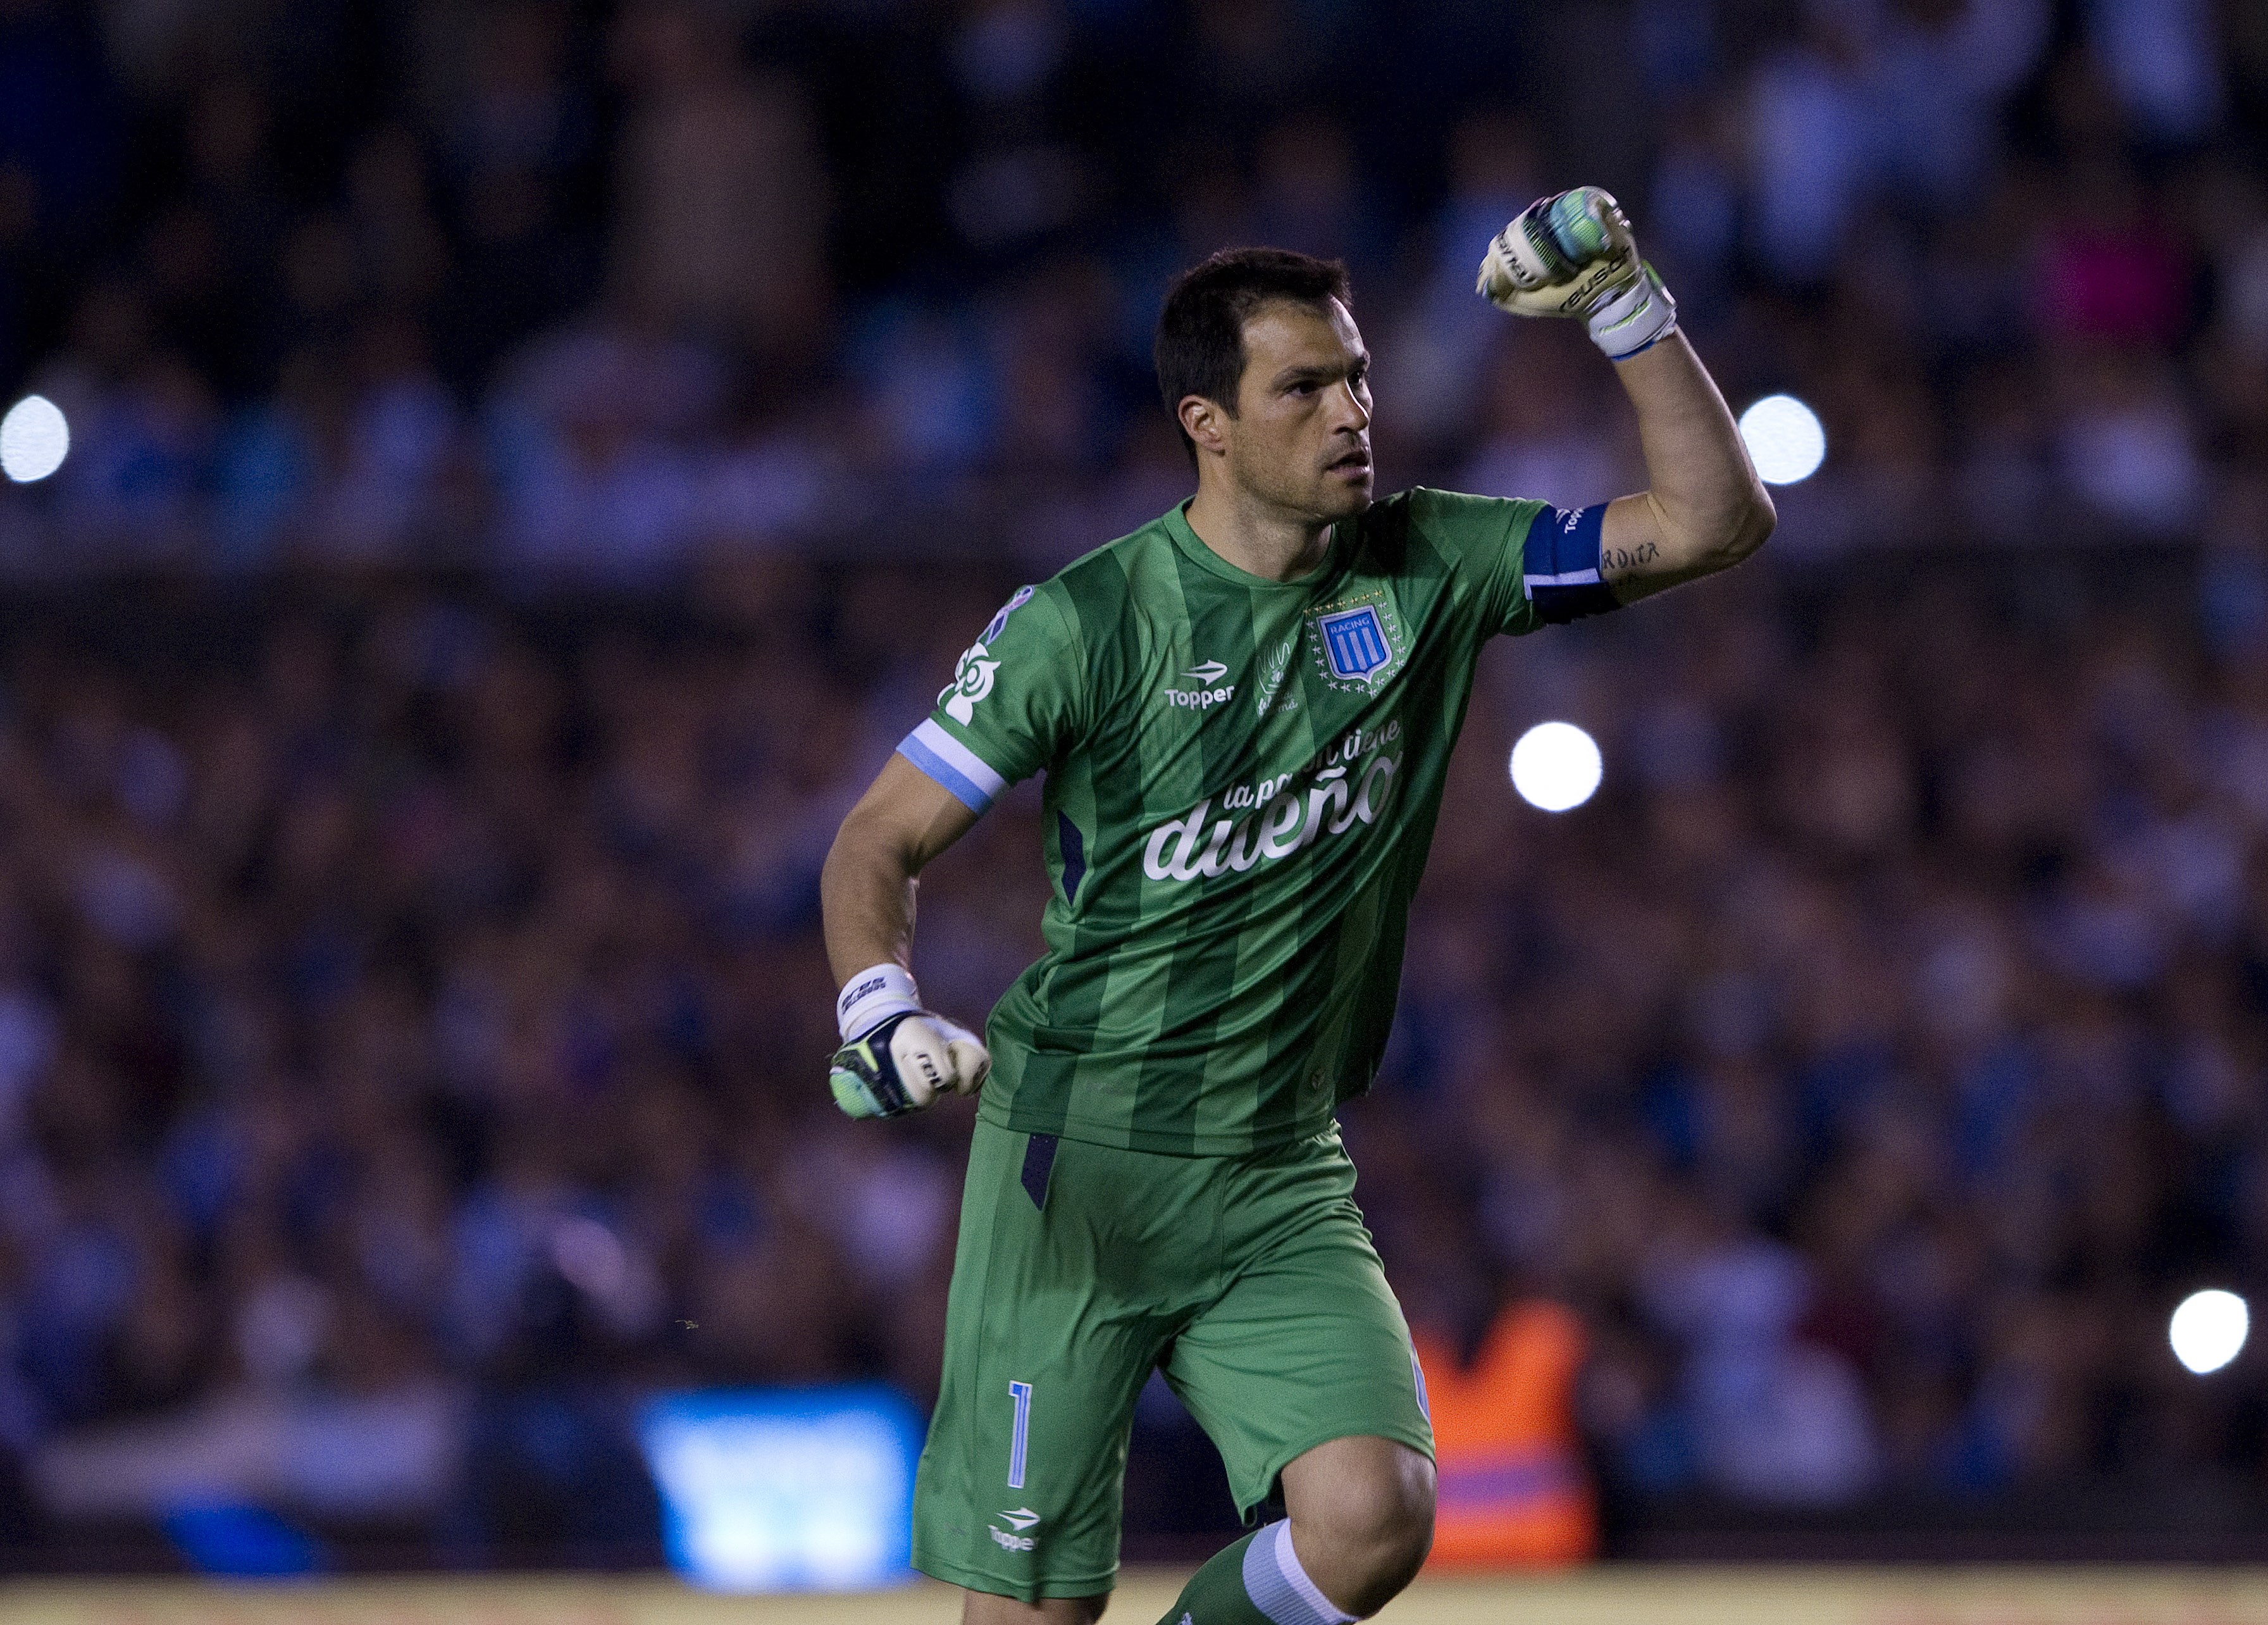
[[602, 291], [1881, 1061], [409, 979], [410, 1010]]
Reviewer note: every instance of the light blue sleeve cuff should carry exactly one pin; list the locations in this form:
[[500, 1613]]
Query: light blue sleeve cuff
[[953, 766]]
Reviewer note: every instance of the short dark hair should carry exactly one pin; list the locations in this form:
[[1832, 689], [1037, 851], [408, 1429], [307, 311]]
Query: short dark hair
[[1200, 345]]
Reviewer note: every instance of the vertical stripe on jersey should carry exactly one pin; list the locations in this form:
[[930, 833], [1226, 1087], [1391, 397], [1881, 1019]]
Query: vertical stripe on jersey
[[1105, 800], [1237, 1075], [1203, 967], [1289, 1057], [1436, 692]]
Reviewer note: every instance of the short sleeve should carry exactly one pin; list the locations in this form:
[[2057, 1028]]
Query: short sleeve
[[1011, 707], [1537, 566], [1483, 537]]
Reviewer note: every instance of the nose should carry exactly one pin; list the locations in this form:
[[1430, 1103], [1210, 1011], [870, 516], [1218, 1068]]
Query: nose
[[1356, 411]]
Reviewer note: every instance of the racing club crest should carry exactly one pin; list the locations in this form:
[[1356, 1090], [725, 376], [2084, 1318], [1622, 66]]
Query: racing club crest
[[1359, 646]]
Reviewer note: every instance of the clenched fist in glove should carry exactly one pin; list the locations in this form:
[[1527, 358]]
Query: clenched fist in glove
[[896, 1057], [1572, 255]]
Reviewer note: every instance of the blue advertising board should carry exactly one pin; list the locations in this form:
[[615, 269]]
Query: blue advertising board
[[786, 1489]]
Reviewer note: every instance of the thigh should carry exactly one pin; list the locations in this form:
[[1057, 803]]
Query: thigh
[[1021, 1483], [1305, 1343]]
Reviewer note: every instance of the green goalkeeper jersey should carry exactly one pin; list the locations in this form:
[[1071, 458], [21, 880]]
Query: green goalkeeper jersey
[[1243, 778]]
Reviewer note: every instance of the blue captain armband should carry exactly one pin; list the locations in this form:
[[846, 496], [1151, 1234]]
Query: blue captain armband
[[1559, 565]]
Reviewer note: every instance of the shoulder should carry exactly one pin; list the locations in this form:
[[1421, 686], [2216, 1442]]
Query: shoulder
[[1424, 532], [1457, 518], [1108, 593]]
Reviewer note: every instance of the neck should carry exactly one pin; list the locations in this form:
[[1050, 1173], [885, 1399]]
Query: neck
[[1257, 538]]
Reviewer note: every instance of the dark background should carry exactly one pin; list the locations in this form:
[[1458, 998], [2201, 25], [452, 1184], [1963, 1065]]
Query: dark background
[[531, 463]]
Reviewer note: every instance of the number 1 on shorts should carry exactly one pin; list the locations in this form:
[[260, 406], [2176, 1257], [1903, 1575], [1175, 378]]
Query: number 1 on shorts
[[1021, 1393]]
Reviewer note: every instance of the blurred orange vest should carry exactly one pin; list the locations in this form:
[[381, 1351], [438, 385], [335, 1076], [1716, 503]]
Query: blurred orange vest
[[1513, 1492]]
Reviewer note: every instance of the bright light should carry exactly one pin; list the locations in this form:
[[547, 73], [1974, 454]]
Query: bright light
[[33, 439], [1784, 440], [2208, 1330], [790, 1489], [1555, 766]]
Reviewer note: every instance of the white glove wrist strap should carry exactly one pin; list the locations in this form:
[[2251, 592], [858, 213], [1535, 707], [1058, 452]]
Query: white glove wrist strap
[[1634, 318], [872, 997]]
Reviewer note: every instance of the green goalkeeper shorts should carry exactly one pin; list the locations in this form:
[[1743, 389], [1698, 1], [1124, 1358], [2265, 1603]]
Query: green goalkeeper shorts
[[1251, 1281]]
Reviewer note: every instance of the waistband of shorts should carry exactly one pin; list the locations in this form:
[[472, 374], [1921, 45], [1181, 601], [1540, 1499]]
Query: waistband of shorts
[[1298, 1142]]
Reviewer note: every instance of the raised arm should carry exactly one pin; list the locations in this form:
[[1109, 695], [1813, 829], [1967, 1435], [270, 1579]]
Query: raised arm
[[896, 1055], [1704, 509], [1572, 254]]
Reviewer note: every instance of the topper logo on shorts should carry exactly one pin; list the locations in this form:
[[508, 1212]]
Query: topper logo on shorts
[[1020, 1519]]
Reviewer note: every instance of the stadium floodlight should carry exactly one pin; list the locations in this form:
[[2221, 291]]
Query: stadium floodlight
[[34, 440], [1556, 766], [1785, 438], [2208, 1330]]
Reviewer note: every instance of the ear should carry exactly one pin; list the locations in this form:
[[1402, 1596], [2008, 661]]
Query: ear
[[1204, 423]]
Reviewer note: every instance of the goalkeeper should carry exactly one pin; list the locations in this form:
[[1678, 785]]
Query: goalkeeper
[[1245, 712]]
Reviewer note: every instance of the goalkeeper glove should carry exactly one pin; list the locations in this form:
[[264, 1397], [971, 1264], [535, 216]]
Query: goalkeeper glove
[[1572, 255], [901, 1057]]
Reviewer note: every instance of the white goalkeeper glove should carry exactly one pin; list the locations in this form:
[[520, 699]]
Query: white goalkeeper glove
[[896, 1057], [1572, 255]]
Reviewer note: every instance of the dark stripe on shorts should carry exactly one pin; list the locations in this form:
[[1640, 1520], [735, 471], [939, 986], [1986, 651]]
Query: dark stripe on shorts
[[1039, 1164]]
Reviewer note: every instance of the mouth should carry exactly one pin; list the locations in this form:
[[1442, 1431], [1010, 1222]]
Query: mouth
[[1355, 461]]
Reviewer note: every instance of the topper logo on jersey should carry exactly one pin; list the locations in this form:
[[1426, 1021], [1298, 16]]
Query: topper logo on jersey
[[1337, 798], [1199, 699], [1204, 696]]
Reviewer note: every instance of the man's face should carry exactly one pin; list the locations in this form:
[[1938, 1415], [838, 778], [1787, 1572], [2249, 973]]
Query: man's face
[[1300, 439]]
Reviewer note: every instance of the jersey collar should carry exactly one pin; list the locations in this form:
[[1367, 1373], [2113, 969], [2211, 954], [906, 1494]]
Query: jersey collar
[[1177, 522]]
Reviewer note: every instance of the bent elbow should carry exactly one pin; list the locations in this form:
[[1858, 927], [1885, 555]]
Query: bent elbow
[[1763, 519], [1748, 528]]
